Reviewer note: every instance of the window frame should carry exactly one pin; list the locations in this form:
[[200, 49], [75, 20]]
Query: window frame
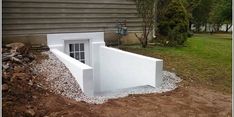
[[85, 50]]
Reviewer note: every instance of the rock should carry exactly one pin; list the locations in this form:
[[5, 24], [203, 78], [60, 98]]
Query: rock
[[5, 66], [26, 59], [29, 106], [19, 56], [30, 82], [15, 46], [30, 112], [21, 76], [5, 75], [34, 97], [31, 56], [18, 69], [5, 87]]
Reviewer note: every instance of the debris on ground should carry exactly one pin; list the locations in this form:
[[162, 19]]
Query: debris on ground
[[19, 81]]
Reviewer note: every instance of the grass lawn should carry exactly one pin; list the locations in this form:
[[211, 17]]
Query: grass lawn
[[205, 60]]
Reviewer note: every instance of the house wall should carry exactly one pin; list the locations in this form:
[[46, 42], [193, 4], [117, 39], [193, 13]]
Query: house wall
[[26, 20]]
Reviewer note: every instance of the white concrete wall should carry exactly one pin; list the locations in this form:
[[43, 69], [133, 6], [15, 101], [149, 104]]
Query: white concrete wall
[[82, 73], [57, 41], [120, 69], [111, 69]]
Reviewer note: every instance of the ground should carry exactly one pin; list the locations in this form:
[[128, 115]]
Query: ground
[[24, 96]]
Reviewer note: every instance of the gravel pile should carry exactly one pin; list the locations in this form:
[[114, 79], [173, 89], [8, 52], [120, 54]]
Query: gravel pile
[[60, 81]]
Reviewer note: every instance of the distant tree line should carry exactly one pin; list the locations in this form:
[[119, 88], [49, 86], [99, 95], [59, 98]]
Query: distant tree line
[[173, 20], [210, 14]]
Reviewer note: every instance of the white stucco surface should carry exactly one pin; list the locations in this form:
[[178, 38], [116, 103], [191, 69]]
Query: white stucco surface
[[120, 69]]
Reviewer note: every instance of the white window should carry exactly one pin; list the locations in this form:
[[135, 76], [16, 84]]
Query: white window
[[78, 50]]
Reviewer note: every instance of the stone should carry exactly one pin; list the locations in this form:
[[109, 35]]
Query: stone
[[21, 76], [26, 59], [6, 66], [5, 87], [30, 82], [30, 112], [15, 46], [18, 69], [19, 56], [31, 56], [34, 97]]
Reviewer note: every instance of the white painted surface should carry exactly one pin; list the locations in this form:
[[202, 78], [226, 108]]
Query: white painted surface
[[120, 69], [96, 65], [111, 69], [82, 73], [57, 41]]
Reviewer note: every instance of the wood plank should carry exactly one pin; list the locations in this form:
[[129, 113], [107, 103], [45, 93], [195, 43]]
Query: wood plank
[[51, 31], [67, 11], [67, 21], [56, 26], [78, 16], [130, 2], [67, 5]]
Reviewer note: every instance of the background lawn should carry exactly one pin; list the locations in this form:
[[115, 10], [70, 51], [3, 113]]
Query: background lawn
[[205, 60]]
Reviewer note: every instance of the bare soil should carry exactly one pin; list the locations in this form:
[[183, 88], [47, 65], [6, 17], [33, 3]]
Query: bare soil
[[23, 96]]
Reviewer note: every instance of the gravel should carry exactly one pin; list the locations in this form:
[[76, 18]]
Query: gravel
[[60, 81]]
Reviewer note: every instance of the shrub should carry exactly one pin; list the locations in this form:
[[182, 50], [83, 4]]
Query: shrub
[[173, 24]]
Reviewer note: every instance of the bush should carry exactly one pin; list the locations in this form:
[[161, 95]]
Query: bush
[[173, 24], [190, 34]]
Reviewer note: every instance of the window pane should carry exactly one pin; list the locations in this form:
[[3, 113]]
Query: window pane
[[77, 47], [72, 55], [71, 47], [82, 56], [82, 61], [81, 47], [77, 56]]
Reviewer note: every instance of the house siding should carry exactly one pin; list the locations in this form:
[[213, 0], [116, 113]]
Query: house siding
[[41, 17]]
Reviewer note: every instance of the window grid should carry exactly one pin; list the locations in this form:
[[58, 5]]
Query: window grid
[[79, 51]]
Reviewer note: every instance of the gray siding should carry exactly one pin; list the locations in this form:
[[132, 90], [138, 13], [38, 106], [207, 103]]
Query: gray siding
[[25, 17]]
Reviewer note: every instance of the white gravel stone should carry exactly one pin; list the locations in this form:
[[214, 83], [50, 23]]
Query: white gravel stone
[[60, 81]]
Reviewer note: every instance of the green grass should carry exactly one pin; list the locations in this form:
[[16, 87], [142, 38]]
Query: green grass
[[205, 60]]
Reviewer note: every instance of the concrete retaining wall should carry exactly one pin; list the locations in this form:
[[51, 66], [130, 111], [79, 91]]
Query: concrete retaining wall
[[120, 69], [82, 73], [111, 69]]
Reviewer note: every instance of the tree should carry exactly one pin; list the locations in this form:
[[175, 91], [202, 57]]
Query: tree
[[190, 5], [172, 23], [200, 14], [145, 9], [221, 14]]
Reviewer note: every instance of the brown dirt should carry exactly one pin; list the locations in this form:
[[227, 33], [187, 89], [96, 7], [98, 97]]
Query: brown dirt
[[21, 96]]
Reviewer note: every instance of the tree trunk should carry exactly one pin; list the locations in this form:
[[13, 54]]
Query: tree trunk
[[205, 30], [145, 42], [190, 26], [226, 28]]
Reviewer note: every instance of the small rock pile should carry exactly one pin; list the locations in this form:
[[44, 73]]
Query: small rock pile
[[19, 82], [16, 52], [15, 59]]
